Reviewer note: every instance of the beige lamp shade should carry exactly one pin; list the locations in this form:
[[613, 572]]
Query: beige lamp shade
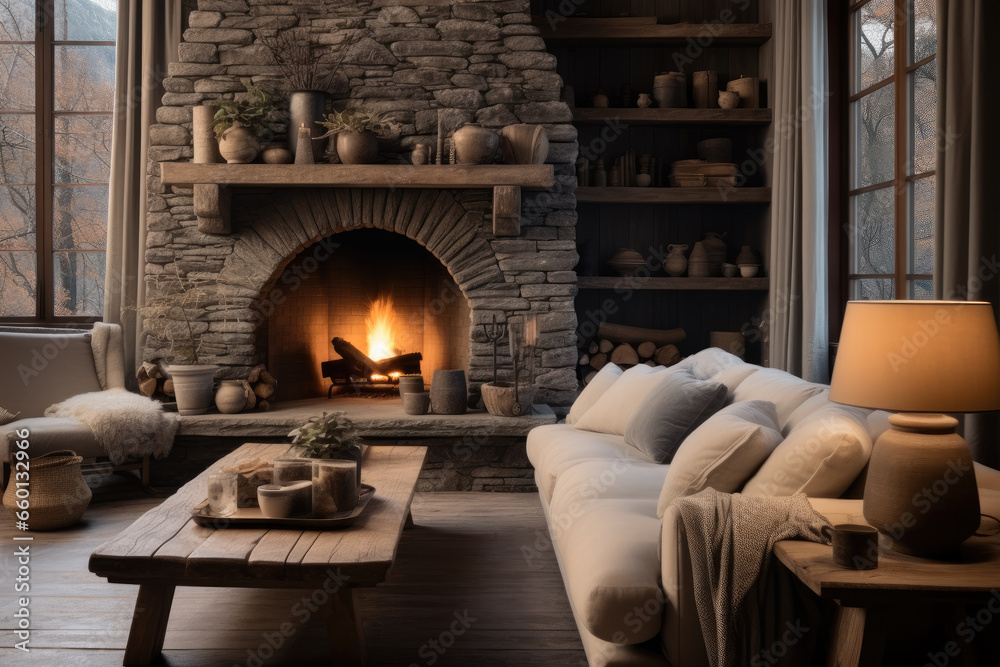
[[918, 356]]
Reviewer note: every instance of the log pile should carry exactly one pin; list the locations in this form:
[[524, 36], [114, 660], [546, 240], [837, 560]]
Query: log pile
[[153, 382], [627, 346]]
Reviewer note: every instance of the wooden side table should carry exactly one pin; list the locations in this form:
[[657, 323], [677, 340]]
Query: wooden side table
[[866, 599]]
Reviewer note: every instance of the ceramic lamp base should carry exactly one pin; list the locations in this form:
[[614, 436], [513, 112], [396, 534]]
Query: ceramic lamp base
[[921, 491]]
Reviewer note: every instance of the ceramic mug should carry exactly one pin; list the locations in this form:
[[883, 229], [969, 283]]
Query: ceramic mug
[[855, 546]]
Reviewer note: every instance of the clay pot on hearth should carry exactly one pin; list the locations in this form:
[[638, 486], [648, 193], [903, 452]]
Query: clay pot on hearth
[[449, 393], [357, 147], [475, 144]]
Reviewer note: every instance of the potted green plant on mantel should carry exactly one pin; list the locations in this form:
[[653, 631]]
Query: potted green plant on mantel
[[330, 436], [239, 123], [171, 316], [357, 133]]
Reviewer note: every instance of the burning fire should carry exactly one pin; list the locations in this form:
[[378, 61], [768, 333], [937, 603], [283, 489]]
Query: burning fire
[[380, 326]]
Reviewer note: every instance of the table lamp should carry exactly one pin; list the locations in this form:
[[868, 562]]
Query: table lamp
[[919, 359]]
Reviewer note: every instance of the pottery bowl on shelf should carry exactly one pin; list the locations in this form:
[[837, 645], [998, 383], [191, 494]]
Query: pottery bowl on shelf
[[626, 262], [749, 270], [730, 270]]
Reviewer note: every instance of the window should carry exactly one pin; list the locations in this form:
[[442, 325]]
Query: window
[[892, 130], [56, 97]]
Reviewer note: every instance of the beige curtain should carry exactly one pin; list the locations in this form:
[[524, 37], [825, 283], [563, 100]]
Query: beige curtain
[[967, 224], [148, 34], [797, 315]]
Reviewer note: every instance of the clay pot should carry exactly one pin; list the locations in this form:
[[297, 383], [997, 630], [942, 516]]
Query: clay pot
[[276, 155], [357, 147], [675, 263], [601, 100], [410, 383], [421, 154], [747, 256], [416, 402], [193, 387], [524, 144], [239, 145], [645, 101], [231, 396], [475, 144], [749, 270], [728, 100], [729, 270], [670, 90], [715, 247], [449, 393], [627, 261], [699, 265], [716, 150], [501, 399]]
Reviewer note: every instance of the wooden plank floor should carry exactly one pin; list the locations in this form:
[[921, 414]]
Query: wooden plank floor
[[461, 593]]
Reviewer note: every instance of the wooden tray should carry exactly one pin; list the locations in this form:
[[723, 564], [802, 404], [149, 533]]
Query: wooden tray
[[251, 516]]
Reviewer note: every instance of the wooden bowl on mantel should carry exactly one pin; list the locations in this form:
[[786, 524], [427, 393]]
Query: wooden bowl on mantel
[[501, 399]]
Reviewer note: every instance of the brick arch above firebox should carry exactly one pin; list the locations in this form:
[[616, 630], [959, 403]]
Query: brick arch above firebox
[[432, 218]]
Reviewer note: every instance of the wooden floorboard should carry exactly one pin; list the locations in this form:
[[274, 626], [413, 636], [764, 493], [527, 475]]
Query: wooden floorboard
[[460, 593]]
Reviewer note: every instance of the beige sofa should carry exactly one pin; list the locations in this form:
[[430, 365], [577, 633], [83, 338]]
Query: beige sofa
[[626, 569]]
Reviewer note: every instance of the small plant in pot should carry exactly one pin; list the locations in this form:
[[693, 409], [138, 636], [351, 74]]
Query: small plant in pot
[[357, 133], [330, 436], [239, 123]]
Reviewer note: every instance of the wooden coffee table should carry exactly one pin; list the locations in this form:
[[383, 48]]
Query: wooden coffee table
[[164, 549]]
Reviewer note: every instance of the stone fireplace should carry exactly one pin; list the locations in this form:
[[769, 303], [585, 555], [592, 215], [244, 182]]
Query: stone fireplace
[[300, 264]]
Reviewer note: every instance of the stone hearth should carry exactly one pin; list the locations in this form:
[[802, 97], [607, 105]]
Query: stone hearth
[[480, 62]]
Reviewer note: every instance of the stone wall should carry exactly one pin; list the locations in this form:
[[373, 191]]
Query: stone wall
[[478, 61]]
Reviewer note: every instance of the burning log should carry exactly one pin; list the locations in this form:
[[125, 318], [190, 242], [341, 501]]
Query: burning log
[[356, 365], [361, 362]]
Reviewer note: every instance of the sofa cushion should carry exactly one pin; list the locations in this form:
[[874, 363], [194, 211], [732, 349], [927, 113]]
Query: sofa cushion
[[37, 370], [732, 376], [677, 405], [612, 570], [555, 447], [597, 479], [808, 407], [49, 434], [723, 453], [820, 457], [611, 412], [709, 362], [786, 391], [596, 388]]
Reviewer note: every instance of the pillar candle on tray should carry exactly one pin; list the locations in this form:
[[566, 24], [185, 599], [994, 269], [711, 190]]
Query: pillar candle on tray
[[304, 149], [334, 487]]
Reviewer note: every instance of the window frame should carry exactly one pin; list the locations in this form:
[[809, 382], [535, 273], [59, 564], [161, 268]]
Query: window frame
[[843, 54], [45, 115]]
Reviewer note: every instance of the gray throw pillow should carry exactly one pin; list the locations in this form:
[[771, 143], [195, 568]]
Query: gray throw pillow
[[679, 404]]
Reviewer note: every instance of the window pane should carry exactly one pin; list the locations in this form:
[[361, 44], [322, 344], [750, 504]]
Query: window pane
[[17, 148], [84, 78], [92, 21], [17, 284], [873, 123], [80, 217], [868, 289], [17, 23], [873, 238], [924, 29], [17, 77], [79, 283], [82, 149], [920, 289], [922, 232], [17, 217], [873, 25], [923, 137]]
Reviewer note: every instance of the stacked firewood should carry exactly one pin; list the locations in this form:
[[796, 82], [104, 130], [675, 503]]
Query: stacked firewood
[[153, 381], [627, 346]]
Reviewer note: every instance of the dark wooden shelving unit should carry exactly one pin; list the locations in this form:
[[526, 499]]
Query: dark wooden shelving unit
[[725, 117], [659, 283], [640, 31], [714, 195]]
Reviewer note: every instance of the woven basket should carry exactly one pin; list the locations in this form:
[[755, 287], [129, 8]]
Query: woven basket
[[58, 494]]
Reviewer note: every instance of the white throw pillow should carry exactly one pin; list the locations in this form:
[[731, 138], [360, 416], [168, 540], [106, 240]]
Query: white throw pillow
[[734, 375], [596, 388], [611, 412], [723, 452], [786, 391], [821, 457]]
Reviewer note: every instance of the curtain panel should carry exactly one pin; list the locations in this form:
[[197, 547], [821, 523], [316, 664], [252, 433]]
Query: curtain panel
[[149, 32], [967, 229]]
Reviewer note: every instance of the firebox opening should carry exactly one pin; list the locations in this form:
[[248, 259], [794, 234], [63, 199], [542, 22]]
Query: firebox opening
[[381, 292]]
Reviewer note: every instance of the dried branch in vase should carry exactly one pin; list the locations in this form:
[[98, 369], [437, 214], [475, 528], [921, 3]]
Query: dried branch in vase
[[307, 65]]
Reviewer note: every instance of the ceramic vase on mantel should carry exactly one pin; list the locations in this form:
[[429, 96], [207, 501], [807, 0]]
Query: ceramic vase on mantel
[[357, 147], [474, 144], [239, 145], [305, 108], [231, 397]]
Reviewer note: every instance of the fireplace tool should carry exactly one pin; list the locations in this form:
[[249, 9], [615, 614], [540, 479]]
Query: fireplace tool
[[494, 333]]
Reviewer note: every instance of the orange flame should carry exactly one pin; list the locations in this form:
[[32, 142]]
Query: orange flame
[[380, 325]]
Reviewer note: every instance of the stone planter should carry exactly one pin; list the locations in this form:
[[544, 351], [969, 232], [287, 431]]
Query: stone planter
[[193, 387], [449, 393], [239, 145], [357, 147]]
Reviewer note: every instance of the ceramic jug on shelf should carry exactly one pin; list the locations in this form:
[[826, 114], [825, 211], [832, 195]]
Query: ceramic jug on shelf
[[699, 266], [675, 263], [747, 256], [715, 247]]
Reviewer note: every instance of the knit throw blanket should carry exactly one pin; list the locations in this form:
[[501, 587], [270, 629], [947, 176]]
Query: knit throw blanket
[[126, 425], [731, 539]]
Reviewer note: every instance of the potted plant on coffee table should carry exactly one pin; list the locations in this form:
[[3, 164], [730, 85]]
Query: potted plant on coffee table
[[239, 123], [330, 436], [357, 133]]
